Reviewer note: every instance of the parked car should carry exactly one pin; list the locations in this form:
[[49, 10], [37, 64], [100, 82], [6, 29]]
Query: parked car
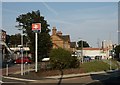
[[74, 54], [46, 59], [26, 60], [98, 57], [86, 58]]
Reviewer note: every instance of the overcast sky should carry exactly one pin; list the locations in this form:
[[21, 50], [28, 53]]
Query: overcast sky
[[89, 21]]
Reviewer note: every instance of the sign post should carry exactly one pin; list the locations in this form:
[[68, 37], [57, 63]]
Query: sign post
[[36, 27], [36, 57]]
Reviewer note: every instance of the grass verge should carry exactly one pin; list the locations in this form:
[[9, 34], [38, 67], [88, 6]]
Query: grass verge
[[95, 66]]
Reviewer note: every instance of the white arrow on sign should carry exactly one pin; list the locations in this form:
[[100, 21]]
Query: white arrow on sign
[[36, 26]]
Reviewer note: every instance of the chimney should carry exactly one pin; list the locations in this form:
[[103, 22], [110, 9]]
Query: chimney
[[59, 33], [54, 31]]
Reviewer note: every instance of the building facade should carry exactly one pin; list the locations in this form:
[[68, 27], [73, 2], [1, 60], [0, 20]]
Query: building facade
[[3, 35], [62, 41], [2, 46], [93, 52]]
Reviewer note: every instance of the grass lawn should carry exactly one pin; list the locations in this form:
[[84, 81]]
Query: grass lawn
[[115, 64], [95, 66]]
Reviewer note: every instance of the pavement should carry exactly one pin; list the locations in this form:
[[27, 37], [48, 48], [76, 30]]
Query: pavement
[[50, 77], [74, 75], [82, 78], [59, 76], [81, 74]]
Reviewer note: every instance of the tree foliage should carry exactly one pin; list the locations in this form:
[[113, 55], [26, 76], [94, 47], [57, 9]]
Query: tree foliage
[[15, 40], [61, 58], [84, 43], [7, 39], [117, 51], [44, 42]]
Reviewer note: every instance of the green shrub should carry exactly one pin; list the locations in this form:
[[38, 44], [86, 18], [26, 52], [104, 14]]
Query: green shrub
[[60, 59]]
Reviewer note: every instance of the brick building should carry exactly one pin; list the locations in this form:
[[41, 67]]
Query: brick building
[[63, 41], [2, 39], [3, 35]]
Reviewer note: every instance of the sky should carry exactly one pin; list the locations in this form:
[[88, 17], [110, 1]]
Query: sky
[[90, 21], [59, 0], [118, 22]]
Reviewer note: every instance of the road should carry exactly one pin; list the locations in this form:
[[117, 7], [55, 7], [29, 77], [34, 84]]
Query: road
[[110, 81], [93, 79], [100, 79]]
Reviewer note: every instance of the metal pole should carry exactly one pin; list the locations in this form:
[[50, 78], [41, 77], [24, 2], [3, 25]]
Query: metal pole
[[26, 51], [110, 64], [6, 69], [22, 53], [28, 67], [82, 50], [36, 52], [24, 70]]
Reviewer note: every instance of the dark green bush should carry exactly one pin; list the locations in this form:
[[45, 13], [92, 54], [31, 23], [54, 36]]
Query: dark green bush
[[60, 59]]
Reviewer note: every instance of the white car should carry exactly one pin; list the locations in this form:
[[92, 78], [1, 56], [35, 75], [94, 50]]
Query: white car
[[45, 59], [74, 55]]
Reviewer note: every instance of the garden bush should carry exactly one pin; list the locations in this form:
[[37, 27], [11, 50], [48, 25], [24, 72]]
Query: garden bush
[[61, 59]]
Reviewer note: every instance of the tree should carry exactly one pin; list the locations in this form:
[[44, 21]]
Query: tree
[[61, 58], [44, 41], [85, 44], [7, 39], [15, 40], [117, 51]]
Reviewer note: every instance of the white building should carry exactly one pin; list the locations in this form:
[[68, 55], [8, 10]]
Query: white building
[[92, 52]]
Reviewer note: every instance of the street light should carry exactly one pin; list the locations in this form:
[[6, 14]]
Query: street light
[[21, 51], [21, 48], [81, 49], [118, 31], [28, 41], [20, 26]]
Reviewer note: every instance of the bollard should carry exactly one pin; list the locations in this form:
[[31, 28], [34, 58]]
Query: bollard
[[6, 69]]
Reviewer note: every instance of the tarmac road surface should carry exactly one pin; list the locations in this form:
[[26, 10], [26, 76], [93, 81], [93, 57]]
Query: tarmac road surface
[[93, 79]]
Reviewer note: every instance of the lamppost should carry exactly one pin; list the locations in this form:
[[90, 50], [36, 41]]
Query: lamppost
[[20, 27], [81, 49], [118, 31], [22, 51], [27, 46], [21, 48]]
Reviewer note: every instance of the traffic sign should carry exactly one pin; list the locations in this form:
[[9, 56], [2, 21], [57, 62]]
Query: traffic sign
[[36, 27]]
